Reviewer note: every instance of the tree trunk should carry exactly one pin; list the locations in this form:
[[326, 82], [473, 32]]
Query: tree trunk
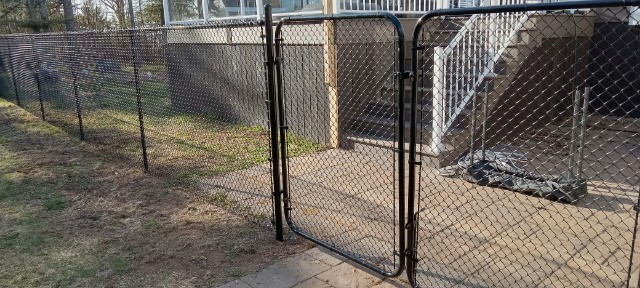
[[140, 11], [120, 14], [44, 16], [69, 20], [33, 20]]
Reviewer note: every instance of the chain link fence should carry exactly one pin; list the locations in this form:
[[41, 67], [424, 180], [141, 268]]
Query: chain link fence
[[334, 73], [528, 135], [521, 131], [187, 103]]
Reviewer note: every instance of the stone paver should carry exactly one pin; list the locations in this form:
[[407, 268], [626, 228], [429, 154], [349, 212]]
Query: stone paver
[[470, 235], [235, 284], [348, 276], [314, 283], [314, 268], [287, 273]]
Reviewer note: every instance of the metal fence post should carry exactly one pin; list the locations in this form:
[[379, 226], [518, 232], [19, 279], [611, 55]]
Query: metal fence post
[[39, 87], [36, 73], [13, 74], [74, 76], [136, 72], [273, 121]]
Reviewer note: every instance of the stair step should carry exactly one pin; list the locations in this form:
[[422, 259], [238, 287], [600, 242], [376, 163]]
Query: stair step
[[468, 75], [511, 45], [423, 90], [420, 107], [382, 142], [389, 110], [391, 123]]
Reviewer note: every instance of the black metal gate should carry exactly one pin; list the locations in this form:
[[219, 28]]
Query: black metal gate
[[341, 91], [522, 131], [519, 177]]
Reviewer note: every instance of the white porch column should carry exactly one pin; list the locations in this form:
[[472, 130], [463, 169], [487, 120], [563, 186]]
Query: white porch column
[[634, 15], [205, 8], [493, 36], [165, 6], [442, 4], [438, 110], [259, 9]]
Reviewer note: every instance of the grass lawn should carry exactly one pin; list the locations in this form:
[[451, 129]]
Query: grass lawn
[[186, 145], [72, 216]]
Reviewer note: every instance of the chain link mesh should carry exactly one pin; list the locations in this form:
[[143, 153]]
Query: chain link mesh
[[528, 138], [527, 133], [7, 84], [345, 194], [197, 92]]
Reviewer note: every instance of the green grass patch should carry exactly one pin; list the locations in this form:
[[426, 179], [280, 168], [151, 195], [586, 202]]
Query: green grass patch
[[221, 200], [235, 272], [119, 264], [55, 203], [151, 224]]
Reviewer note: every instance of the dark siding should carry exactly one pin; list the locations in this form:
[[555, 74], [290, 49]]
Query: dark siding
[[615, 70]]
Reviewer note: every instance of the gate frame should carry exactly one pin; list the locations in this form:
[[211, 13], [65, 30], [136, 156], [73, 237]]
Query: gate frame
[[412, 224], [400, 75]]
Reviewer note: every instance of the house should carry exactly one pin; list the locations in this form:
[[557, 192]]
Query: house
[[502, 65]]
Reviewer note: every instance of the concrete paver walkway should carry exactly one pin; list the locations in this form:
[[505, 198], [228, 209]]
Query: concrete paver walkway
[[468, 235], [315, 268]]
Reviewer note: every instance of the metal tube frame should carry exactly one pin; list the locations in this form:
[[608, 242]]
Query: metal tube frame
[[415, 47], [401, 75], [74, 75], [36, 74], [273, 121], [136, 72]]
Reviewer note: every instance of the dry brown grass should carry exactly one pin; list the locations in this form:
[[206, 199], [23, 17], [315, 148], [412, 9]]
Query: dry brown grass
[[71, 217]]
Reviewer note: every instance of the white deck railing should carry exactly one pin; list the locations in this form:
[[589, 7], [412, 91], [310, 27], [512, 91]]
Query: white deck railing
[[253, 8], [460, 68]]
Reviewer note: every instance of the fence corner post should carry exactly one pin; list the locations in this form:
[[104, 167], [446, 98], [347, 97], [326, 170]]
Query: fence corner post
[[273, 120]]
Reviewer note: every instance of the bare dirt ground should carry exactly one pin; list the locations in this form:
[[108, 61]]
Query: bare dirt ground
[[71, 217]]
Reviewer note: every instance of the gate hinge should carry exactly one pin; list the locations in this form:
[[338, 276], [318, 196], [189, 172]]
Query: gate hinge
[[285, 127], [417, 163], [276, 60], [419, 47], [405, 74], [408, 253]]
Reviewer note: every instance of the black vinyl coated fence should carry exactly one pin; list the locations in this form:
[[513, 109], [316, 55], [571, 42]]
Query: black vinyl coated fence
[[186, 103], [494, 146]]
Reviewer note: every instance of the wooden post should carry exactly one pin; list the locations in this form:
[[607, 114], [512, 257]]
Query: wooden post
[[331, 74]]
